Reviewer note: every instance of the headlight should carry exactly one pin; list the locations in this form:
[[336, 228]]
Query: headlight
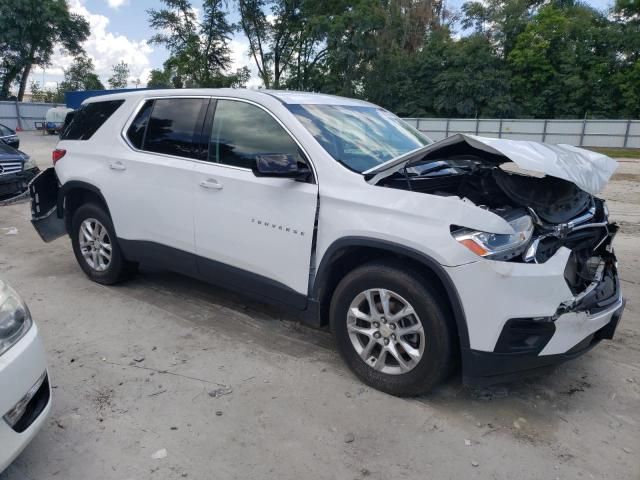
[[498, 246], [29, 164], [15, 318]]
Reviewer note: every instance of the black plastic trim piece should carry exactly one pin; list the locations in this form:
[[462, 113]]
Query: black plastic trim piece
[[525, 335], [35, 407], [211, 271], [452, 293]]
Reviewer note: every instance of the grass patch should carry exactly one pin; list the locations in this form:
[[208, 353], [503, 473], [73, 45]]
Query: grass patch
[[618, 152]]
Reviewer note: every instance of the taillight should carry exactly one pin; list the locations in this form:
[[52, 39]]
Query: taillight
[[57, 154]]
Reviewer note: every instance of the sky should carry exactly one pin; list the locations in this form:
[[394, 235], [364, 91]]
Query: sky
[[120, 30]]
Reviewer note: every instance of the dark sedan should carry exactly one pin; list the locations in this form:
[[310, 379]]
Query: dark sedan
[[16, 171], [9, 136]]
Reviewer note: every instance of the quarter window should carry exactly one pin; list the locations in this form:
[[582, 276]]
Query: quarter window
[[242, 131], [139, 125], [89, 118], [175, 127]]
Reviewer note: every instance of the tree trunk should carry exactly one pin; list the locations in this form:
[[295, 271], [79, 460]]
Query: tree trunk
[[23, 81], [8, 79]]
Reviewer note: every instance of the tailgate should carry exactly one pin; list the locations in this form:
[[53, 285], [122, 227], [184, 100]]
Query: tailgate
[[44, 205]]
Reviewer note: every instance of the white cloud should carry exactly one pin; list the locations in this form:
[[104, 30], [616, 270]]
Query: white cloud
[[117, 3], [104, 48], [239, 47]]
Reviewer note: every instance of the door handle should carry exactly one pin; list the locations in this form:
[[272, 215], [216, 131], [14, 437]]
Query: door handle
[[117, 166], [211, 184]]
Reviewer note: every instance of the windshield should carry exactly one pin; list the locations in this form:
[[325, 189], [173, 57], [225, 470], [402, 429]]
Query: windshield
[[360, 137]]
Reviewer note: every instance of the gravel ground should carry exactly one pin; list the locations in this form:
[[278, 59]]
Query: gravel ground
[[166, 377]]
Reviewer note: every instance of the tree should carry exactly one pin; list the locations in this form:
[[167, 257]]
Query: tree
[[81, 75], [120, 77], [272, 39], [198, 47], [29, 31], [45, 95], [562, 62], [474, 82], [160, 79], [628, 8]]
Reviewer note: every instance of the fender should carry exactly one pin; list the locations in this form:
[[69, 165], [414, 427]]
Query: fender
[[72, 185], [330, 255]]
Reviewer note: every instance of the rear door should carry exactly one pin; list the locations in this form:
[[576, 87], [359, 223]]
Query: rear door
[[151, 190], [253, 232]]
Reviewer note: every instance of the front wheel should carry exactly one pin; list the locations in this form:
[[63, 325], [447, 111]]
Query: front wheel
[[96, 247], [391, 329]]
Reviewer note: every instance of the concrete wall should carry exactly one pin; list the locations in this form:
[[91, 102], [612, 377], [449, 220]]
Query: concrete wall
[[586, 133], [24, 114]]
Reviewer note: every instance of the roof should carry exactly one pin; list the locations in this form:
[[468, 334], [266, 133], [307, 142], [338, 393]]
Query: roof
[[285, 96], [309, 98]]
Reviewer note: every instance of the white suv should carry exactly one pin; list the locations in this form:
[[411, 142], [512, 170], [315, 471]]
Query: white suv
[[418, 254]]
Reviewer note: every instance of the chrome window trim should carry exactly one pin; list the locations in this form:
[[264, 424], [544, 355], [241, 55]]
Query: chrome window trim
[[136, 110]]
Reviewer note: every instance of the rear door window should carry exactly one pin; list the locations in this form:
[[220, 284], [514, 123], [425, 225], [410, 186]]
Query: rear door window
[[89, 118], [175, 127]]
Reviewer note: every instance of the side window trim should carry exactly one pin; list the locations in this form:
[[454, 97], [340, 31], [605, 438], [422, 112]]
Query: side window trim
[[205, 131]]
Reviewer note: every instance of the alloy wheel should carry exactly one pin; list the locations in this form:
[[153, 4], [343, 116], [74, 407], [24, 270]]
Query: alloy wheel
[[385, 331], [95, 244]]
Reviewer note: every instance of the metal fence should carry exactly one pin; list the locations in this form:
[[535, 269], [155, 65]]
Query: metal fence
[[585, 133], [24, 114], [582, 133]]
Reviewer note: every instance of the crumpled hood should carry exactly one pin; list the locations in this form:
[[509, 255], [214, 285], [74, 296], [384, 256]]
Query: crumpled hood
[[588, 170]]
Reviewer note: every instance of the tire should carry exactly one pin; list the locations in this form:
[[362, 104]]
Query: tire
[[417, 374], [116, 269]]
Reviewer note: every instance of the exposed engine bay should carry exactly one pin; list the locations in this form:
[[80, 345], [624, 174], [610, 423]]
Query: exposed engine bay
[[546, 212]]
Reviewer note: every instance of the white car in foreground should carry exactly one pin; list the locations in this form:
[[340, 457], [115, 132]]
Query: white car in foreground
[[495, 254], [25, 396]]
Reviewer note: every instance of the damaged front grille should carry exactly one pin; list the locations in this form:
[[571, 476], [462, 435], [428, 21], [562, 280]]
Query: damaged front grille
[[589, 236]]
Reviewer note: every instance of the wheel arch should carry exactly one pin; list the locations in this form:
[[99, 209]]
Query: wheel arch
[[73, 194], [350, 252]]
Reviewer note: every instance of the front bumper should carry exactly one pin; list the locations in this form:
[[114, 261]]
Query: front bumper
[[488, 368], [523, 317], [20, 369]]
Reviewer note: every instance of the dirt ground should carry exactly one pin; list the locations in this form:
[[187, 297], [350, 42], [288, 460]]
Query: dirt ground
[[165, 377]]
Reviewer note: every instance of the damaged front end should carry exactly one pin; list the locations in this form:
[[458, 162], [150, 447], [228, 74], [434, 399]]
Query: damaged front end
[[540, 190]]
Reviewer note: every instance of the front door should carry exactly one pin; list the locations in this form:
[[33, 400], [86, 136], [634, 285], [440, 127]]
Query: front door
[[254, 233]]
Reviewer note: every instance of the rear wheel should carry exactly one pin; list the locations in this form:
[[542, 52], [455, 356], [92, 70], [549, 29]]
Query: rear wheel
[[96, 247], [391, 329]]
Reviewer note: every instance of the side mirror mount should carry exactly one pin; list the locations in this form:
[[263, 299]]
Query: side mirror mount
[[280, 166]]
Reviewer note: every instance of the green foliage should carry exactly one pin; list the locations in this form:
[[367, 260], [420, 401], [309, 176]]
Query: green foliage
[[46, 95], [562, 64], [628, 8], [81, 75], [273, 41], [120, 77], [160, 79], [496, 58], [29, 30], [198, 47]]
